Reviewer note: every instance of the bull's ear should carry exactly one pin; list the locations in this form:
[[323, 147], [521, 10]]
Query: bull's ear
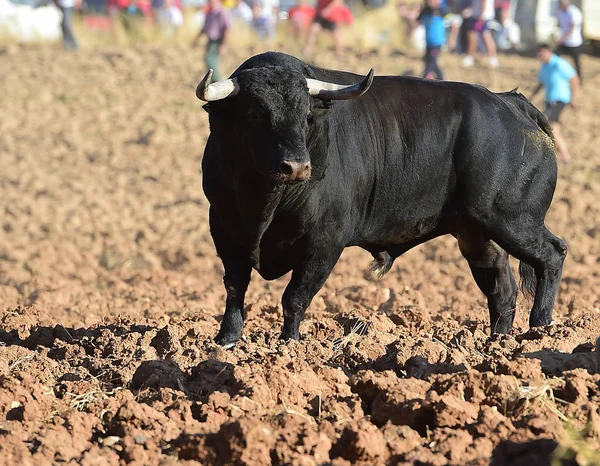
[[206, 108], [320, 107]]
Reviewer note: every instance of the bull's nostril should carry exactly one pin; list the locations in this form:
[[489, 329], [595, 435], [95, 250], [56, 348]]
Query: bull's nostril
[[287, 168]]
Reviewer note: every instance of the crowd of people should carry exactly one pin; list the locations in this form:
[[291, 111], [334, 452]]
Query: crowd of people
[[460, 26], [560, 81]]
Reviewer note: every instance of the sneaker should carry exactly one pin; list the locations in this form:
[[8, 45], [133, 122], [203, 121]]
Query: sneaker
[[468, 62], [493, 62]]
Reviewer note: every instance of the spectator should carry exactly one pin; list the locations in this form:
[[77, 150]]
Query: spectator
[[216, 27], [158, 6], [409, 14], [169, 16], [502, 10], [301, 16], [509, 35], [329, 15], [454, 21], [561, 83], [570, 20], [242, 12], [432, 18], [265, 17], [67, 7], [477, 23], [116, 7]]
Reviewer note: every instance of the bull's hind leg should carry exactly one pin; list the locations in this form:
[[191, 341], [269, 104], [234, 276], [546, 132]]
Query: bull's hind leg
[[491, 271], [545, 253]]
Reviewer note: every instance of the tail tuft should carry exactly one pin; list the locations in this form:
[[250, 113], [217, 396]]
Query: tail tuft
[[382, 263], [528, 279]]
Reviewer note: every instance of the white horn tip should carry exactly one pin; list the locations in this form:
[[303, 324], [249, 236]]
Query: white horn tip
[[202, 88]]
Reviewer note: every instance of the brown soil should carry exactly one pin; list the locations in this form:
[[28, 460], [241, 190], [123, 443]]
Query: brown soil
[[110, 294]]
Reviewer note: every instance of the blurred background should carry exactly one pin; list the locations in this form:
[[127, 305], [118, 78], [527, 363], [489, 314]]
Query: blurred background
[[518, 25]]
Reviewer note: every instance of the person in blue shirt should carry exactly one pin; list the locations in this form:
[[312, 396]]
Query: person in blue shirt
[[432, 18], [561, 83]]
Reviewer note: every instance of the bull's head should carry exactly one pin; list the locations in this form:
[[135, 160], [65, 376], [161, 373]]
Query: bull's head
[[273, 113]]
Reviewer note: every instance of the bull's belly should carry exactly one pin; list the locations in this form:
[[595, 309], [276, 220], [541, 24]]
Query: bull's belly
[[274, 262], [406, 231], [277, 258]]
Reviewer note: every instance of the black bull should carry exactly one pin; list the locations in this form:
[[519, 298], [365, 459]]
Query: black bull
[[294, 176]]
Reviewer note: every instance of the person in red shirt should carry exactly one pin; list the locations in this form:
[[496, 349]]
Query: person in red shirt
[[329, 15], [301, 16], [115, 7]]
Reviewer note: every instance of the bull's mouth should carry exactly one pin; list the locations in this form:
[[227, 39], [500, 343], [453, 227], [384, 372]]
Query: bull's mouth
[[283, 178]]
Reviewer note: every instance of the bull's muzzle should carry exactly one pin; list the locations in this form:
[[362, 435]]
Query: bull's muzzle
[[292, 170]]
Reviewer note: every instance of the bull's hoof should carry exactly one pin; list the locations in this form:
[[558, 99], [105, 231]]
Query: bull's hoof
[[287, 336], [541, 322], [227, 346], [502, 327], [226, 341]]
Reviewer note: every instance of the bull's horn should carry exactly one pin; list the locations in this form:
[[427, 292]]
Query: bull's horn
[[216, 91], [330, 91]]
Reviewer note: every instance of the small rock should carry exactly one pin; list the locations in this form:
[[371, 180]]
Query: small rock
[[110, 441]]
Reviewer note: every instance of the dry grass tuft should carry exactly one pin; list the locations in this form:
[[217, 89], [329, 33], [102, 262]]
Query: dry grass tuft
[[526, 395], [359, 329]]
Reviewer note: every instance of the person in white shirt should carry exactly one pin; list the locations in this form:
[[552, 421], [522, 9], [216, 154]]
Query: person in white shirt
[[242, 12], [477, 19], [170, 17], [265, 17], [570, 20], [67, 7]]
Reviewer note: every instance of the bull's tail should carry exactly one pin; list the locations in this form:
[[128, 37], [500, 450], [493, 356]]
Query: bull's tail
[[528, 279]]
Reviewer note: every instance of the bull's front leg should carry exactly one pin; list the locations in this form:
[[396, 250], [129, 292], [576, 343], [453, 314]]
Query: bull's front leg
[[307, 279], [236, 279]]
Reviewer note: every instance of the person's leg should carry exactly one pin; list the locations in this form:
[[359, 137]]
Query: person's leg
[[270, 32], [432, 70], [67, 30], [437, 69], [296, 31], [312, 39], [469, 59], [575, 53], [428, 73], [490, 45], [453, 38], [561, 144], [212, 58], [337, 41]]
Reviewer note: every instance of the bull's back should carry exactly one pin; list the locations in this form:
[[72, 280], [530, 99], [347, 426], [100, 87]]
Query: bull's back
[[430, 152]]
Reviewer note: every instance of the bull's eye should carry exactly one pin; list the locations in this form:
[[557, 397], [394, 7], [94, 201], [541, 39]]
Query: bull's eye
[[253, 116], [310, 118]]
